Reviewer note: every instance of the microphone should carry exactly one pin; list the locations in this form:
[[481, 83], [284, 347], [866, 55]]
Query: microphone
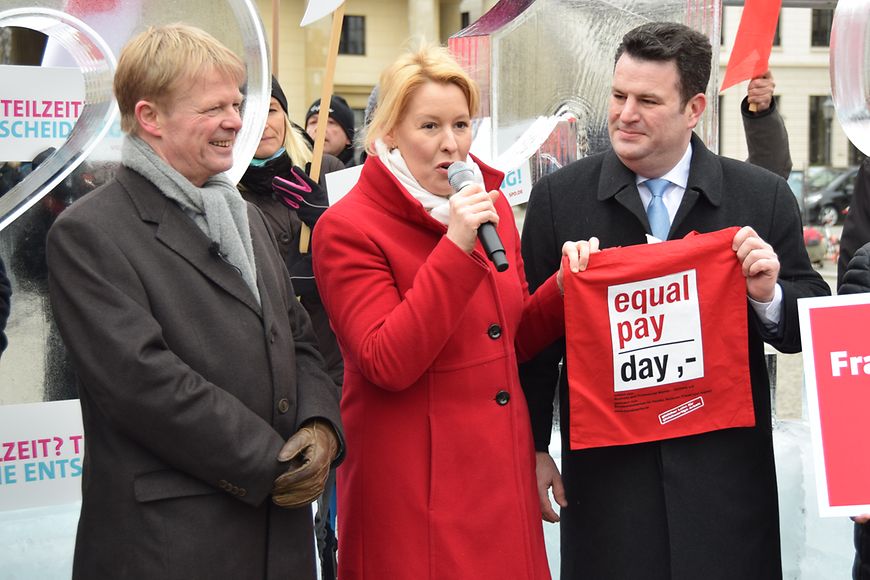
[[214, 249], [459, 175]]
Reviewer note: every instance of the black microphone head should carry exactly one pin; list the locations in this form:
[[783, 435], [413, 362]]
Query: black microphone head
[[459, 175], [214, 249]]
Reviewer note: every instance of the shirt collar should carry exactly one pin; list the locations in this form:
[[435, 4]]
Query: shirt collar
[[679, 173]]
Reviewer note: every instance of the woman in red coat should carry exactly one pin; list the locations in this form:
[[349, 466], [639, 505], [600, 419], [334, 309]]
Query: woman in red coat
[[439, 477]]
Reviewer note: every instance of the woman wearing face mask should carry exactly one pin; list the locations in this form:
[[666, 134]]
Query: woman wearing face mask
[[440, 469]]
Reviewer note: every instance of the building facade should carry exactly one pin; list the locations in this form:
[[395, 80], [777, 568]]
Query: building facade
[[375, 31], [799, 62]]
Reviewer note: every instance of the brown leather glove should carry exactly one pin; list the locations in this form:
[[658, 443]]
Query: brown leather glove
[[309, 452]]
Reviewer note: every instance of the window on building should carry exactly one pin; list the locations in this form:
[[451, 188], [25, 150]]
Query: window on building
[[823, 18], [353, 35], [464, 19], [821, 117]]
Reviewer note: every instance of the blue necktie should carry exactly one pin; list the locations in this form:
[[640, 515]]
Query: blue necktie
[[656, 212]]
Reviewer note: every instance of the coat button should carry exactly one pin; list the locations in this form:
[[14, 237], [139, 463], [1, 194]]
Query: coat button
[[502, 397], [223, 484], [284, 238], [494, 331], [242, 492], [283, 405]]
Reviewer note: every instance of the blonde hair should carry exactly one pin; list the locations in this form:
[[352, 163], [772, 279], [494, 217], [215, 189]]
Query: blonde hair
[[412, 70], [156, 63], [295, 144]]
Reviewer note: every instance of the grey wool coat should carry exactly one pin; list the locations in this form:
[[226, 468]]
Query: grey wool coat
[[188, 390]]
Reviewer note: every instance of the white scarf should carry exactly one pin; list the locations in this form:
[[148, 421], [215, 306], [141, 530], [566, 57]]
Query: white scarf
[[437, 206]]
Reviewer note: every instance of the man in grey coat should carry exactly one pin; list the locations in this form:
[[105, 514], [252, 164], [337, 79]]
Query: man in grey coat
[[703, 506], [210, 422]]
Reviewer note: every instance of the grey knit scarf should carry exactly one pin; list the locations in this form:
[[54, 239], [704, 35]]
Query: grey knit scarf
[[217, 207]]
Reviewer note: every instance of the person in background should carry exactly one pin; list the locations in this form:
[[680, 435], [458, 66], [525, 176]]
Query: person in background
[[5, 305], [371, 105], [439, 480], [210, 422], [854, 278], [276, 183], [703, 506], [339, 128], [289, 202], [856, 228], [766, 136]]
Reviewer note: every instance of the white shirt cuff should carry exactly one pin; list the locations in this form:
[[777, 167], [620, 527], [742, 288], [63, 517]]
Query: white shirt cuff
[[769, 312]]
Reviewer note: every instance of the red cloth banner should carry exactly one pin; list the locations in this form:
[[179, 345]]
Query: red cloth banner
[[837, 369], [657, 342], [751, 52]]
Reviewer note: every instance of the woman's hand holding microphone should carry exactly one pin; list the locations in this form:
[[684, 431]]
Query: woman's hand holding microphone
[[470, 207]]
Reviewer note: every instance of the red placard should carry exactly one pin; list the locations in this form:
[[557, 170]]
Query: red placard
[[657, 342], [837, 369]]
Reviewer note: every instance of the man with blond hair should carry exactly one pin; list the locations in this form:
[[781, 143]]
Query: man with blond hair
[[210, 423]]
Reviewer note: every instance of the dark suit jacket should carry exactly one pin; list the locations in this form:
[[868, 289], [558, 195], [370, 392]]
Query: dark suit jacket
[[188, 388], [694, 507]]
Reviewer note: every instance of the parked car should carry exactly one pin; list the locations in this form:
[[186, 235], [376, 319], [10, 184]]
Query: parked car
[[829, 205], [819, 176]]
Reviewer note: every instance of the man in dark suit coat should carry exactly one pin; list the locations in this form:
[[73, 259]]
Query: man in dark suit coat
[[694, 507], [210, 422]]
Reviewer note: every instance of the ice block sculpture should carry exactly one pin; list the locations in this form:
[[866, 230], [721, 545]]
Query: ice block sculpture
[[850, 70], [534, 58]]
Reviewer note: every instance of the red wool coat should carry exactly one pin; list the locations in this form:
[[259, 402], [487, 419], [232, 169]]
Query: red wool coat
[[438, 481]]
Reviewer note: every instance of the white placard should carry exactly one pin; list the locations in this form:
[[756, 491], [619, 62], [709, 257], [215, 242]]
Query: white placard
[[655, 329], [317, 9], [837, 379], [39, 107], [338, 183], [517, 184], [42, 447], [527, 144]]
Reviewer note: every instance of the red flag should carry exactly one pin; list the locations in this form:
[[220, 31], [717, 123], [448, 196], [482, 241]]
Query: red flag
[[751, 52]]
